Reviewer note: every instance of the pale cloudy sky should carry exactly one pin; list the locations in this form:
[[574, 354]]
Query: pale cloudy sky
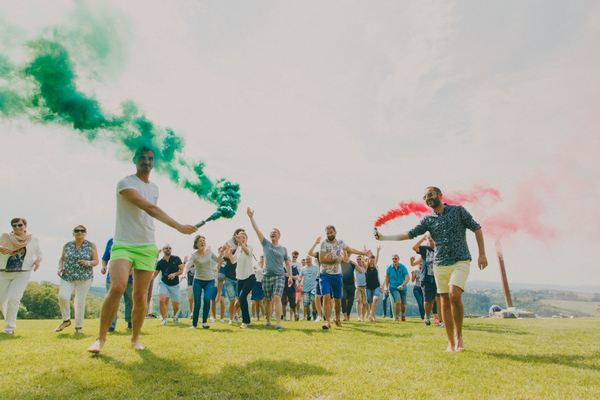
[[332, 113]]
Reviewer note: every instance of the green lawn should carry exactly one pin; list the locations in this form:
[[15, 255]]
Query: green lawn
[[546, 358], [588, 307]]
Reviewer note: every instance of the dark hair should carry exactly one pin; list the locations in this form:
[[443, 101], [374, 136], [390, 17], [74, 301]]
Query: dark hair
[[436, 189], [330, 227], [196, 241], [295, 253], [235, 233], [15, 220], [140, 150]]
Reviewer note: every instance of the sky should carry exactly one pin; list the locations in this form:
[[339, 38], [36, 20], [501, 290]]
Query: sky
[[330, 113]]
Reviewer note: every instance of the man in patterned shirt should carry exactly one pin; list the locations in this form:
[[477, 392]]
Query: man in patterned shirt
[[447, 226], [331, 256]]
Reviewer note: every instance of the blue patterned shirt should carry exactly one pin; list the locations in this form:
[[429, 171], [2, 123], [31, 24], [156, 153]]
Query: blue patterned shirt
[[449, 232]]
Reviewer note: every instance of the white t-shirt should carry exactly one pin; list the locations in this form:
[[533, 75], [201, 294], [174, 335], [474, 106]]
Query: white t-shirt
[[244, 263], [134, 226]]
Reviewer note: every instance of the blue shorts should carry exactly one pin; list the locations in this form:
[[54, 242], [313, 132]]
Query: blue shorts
[[318, 293], [332, 285], [257, 292], [373, 293], [172, 292], [398, 294], [308, 297], [231, 287], [214, 295], [429, 291]]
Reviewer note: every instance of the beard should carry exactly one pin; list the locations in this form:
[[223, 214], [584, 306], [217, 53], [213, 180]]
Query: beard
[[331, 238], [434, 203]]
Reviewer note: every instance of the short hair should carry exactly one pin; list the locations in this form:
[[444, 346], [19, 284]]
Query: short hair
[[330, 227], [435, 189], [80, 226], [196, 242], [395, 255], [15, 220], [295, 253], [278, 231], [140, 150]]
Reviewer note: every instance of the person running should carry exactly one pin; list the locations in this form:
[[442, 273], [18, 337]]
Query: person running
[[430, 295], [258, 295], [202, 260], [331, 255], [219, 294], [373, 285], [273, 280], [171, 267], [308, 279], [396, 280], [127, 296], [361, 293], [243, 258], [76, 271], [188, 275], [134, 246], [447, 225], [417, 290], [348, 285], [318, 315], [289, 290]]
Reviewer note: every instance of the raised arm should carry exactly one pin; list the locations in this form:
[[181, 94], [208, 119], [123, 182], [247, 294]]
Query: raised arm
[[377, 257], [414, 262], [155, 211], [400, 236], [357, 252], [311, 252], [416, 246], [255, 226]]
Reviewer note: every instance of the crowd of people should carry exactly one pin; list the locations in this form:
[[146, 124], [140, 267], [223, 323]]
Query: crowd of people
[[321, 286]]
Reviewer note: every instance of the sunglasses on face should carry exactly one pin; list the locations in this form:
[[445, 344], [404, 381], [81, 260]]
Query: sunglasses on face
[[19, 225], [166, 248], [395, 259], [428, 196], [79, 230]]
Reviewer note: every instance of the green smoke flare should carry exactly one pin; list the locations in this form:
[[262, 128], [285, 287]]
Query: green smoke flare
[[54, 97]]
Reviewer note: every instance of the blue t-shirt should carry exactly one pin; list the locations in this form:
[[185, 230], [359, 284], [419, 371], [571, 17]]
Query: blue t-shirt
[[106, 257], [427, 255], [397, 276], [309, 278], [275, 258]]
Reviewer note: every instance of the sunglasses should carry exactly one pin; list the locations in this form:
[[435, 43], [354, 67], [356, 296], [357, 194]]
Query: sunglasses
[[166, 248], [428, 195], [79, 230], [19, 225]]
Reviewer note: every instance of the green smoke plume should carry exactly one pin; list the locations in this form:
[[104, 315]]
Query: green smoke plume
[[45, 91]]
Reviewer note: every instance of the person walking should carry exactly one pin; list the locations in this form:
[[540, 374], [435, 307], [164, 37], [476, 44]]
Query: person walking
[[246, 278], [75, 269]]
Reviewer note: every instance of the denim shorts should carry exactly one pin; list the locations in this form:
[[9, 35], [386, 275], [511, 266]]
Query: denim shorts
[[214, 295], [172, 292], [231, 287], [372, 293], [398, 294]]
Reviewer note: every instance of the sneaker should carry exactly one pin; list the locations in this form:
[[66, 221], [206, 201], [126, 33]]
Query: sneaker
[[164, 322], [436, 321], [441, 325], [236, 319], [230, 322], [267, 324], [308, 318], [283, 318], [175, 319], [278, 327], [318, 319], [427, 322], [297, 317], [403, 318], [7, 332], [212, 319], [111, 329], [371, 319], [222, 321]]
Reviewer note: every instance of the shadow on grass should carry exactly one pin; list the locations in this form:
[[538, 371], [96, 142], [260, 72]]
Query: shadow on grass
[[574, 361], [494, 329], [374, 330], [256, 379], [4, 336]]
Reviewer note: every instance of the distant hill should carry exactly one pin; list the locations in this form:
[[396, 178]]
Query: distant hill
[[533, 286]]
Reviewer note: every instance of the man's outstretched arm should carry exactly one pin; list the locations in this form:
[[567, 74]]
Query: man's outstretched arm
[[155, 211], [400, 236], [258, 233]]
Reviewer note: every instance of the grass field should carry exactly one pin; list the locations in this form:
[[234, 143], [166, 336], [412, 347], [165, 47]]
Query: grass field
[[547, 358], [588, 307]]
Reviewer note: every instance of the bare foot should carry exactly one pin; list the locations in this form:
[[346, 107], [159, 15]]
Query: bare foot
[[136, 344], [460, 344], [450, 348], [326, 326], [338, 323], [97, 346]]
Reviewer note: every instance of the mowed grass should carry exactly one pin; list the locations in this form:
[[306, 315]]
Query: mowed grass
[[548, 358]]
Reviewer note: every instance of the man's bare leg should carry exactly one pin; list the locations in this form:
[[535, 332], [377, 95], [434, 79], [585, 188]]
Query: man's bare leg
[[222, 307], [213, 308], [270, 310], [338, 310], [403, 309], [175, 305], [397, 305], [448, 324], [457, 315], [119, 274], [191, 301], [163, 305], [428, 307], [318, 304], [231, 309], [359, 310], [141, 280], [277, 301], [327, 306]]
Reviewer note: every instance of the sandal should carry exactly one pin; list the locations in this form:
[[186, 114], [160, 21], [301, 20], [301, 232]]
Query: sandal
[[78, 330], [63, 325], [338, 323]]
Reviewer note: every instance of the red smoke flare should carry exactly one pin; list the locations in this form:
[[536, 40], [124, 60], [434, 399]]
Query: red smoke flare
[[420, 208]]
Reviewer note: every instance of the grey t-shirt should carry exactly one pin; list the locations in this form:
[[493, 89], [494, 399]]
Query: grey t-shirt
[[274, 258]]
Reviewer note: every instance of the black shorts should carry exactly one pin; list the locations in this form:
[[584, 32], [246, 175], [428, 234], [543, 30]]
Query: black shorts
[[429, 291], [288, 296]]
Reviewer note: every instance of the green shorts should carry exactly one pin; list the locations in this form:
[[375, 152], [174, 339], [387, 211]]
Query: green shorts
[[140, 257]]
